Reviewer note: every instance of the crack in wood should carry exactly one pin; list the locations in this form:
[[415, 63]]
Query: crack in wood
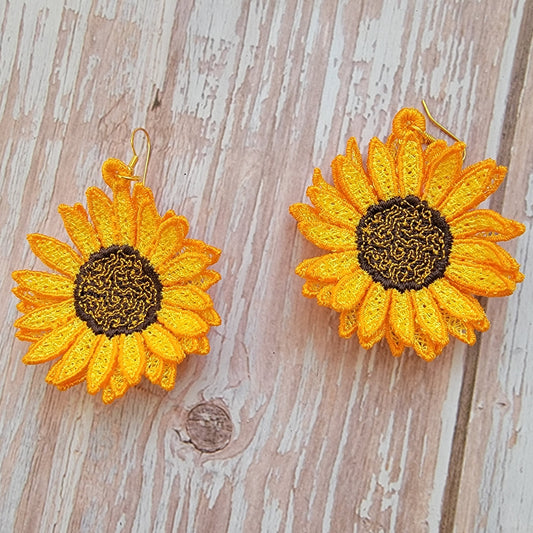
[[455, 468], [157, 101]]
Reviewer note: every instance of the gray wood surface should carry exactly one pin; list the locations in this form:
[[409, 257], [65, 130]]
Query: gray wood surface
[[242, 100]]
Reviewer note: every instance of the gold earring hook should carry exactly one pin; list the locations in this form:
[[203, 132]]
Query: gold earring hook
[[430, 138], [438, 124], [135, 157]]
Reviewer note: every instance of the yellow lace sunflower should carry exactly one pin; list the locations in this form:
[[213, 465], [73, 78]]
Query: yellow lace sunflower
[[132, 302], [407, 251]]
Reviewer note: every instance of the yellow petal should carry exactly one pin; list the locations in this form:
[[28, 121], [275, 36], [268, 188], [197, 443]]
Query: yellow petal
[[203, 346], [108, 395], [482, 325], [169, 214], [102, 363], [350, 290], [454, 302], [332, 267], [194, 245], [53, 372], [210, 316], [480, 280], [25, 307], [410, 167], [62, 386], [47, 317], [181, 322], [205, 279], [351, 179], [168, 376], [459, 329], [311, 288], [31, 336], [402, 316], [328, 236], [114, 172], [318, 181], [101, 212], [303, 267], [50, 285], [168, 240], [187, 297], [368, 342], [55, 254], [305, 213], [433, 151], [486, 224], [154, 368], [475, 184], [55, 343], [425, 347], [34, 299], [183, 268], [353, 153], [381, 169], [429, 317], [348, 323], [325, 296], [486, 253], [76, 359], [148, 219], [132, 357], [80, 229], [373, 312], [126, 215], [142, 195], [332, 208], [189, 344], [443, 172], [162, 343], [395, 344], [118, 383]]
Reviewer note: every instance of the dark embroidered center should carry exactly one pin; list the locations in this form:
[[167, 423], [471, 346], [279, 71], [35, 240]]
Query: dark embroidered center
[[117, 291], [403, 243]]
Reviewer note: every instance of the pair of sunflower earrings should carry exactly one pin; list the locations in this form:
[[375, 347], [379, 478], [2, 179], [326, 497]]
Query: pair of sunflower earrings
[[406, 252]]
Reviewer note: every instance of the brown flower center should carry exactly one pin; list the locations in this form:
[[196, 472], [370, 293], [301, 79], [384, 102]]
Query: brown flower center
[[403, 243], [117, 291]]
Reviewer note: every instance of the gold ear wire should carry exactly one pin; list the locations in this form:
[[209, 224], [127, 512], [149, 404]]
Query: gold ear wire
[[135, 157], [438, 124], [429, 137]]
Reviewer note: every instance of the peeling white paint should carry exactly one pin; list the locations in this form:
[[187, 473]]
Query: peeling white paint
[[245, 107]]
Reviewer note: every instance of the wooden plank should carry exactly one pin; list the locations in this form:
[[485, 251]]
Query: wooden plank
[[241, 104], [495, 488]]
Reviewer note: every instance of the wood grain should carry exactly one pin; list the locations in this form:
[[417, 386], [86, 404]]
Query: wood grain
[[241, 104], [498, 441]]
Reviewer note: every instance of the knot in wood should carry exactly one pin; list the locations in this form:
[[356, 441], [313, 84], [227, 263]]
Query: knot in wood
[[209, 427]]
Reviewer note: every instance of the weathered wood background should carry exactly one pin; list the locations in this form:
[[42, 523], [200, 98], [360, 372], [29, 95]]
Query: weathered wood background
[[242, 100]]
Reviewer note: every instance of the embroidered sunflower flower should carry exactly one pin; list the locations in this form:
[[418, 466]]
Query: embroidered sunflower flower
[[407, 251], [130, 302]]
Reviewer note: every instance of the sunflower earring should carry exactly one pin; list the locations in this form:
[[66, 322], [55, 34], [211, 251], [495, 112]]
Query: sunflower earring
[[129, 302], [406, 249]]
